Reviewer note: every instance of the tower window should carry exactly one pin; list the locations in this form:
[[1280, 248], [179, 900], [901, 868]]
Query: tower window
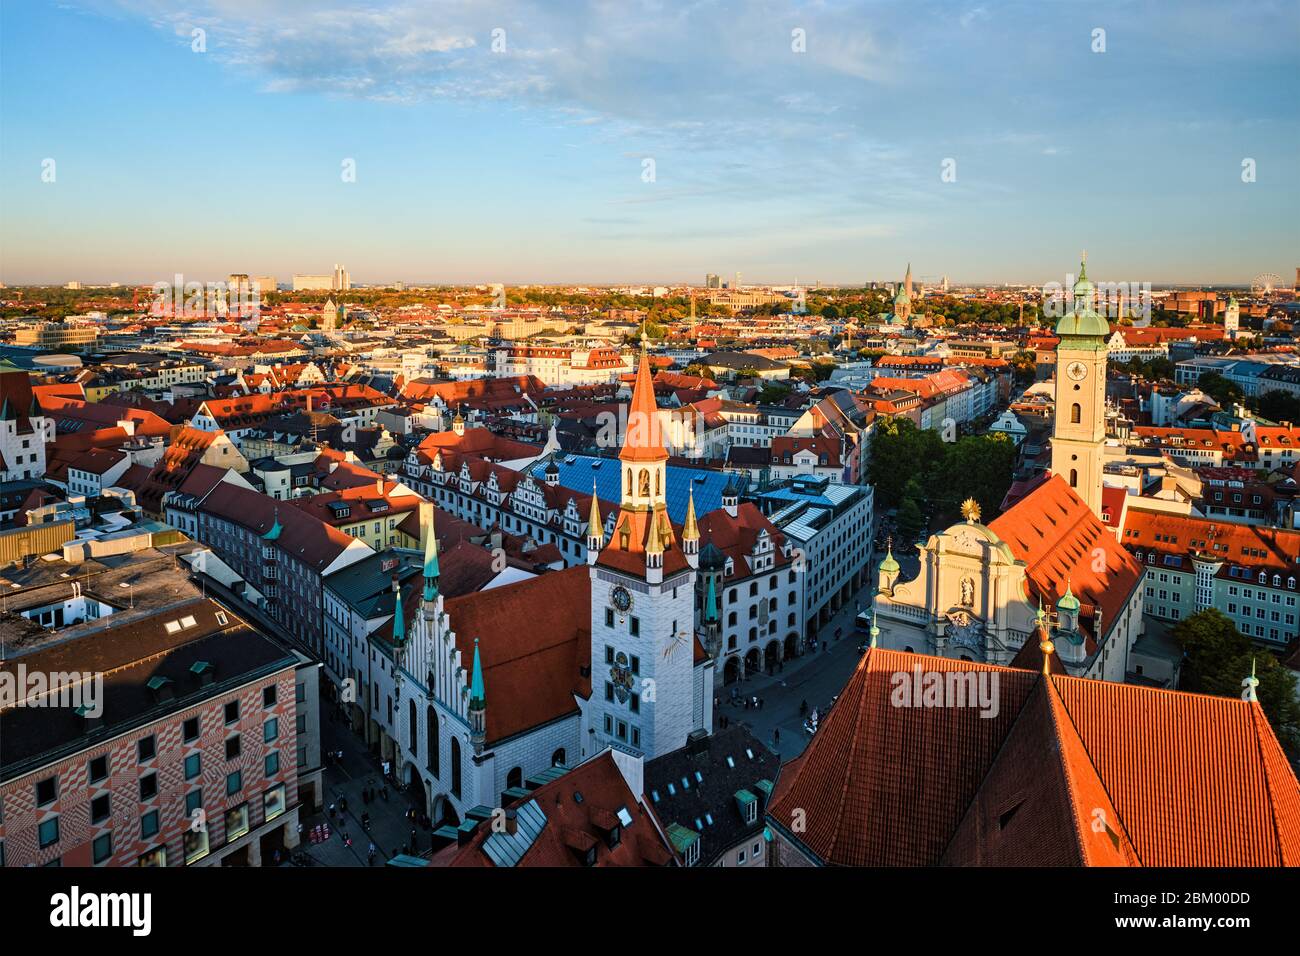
[[1074, 478], [1076, 413]]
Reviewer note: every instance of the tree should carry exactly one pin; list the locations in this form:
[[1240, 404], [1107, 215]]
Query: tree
[[1218, 657], [698, 370], [1279, 406], [900, 450], [911, 515], [1220, 389]]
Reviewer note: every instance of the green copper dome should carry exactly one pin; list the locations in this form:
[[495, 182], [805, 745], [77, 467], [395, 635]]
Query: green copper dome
[[889, 565], [1083, 320], [1068, 601]]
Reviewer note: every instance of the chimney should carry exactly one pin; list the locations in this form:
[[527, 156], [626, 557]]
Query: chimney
[[379, 486], [512, 821]]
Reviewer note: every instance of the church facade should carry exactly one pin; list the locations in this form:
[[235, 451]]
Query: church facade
[[980, 588]]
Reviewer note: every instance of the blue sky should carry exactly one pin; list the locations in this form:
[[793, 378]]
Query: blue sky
[[526, 164]]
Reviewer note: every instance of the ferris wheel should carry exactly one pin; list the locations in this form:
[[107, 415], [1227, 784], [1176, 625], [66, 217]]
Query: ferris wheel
[[1265, 282]]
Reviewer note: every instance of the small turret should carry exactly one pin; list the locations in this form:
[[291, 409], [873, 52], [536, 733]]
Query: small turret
[[731, 497], [1070, 643], [431, 573], [552, 473], [691, 533], [458, 424], [477, 705], [888, 569], [595, 529], [399, 616]]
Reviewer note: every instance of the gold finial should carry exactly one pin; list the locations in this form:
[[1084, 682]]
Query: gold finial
[[1047, 647], [970, 510]]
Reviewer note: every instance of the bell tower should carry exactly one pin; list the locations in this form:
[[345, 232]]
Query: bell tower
[[645, 695], [1079, 430]]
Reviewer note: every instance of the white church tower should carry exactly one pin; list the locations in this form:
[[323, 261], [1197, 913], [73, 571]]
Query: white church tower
[[1079, 430], [647, 695]]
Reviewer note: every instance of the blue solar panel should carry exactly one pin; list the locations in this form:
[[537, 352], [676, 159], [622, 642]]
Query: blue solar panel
[[578, 471]]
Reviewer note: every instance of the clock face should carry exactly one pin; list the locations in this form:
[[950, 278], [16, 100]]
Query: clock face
[[1076, 371], [621, 598]]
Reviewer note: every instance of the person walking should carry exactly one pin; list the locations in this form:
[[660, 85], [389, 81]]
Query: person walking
[[776, 736]]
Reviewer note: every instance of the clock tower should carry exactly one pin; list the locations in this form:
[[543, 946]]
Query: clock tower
[[646, 690], [1079, 431]]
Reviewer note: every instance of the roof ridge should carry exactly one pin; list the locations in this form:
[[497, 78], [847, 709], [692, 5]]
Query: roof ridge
[[1057, 703], [1257, 714]]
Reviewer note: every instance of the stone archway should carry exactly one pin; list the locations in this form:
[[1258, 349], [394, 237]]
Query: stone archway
[[791, 645], [731, 670], [444, 812], [415, 787], [771, 655], [752, 661]]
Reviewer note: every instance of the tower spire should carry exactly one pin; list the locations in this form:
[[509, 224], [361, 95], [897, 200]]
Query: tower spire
[[477, 704], [431, 565], [399, 617]]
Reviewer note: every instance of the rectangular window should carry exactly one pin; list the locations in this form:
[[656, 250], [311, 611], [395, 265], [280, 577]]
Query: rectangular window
[[271, 729], [149, 786], [193, 801], [99, 808], [232, 747], [268, 696], [232, 711], [48, 832], [234, 783], [273, 802], [271, 764], [98, 768], [236, 822], [46, 791], [102, 847], [190, 729], [149, 824], [192, 766], [634, 626]]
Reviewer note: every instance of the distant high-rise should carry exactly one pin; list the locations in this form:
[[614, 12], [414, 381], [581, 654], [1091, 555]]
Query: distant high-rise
[[337, 281], [1232, 318], [264, 284], [712, 281]]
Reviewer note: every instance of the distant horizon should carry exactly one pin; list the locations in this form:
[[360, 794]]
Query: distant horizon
[[578, 143]]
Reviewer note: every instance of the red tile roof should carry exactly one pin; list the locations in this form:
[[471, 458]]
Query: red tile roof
[[581, 809], [1063, 542], [1180, 779], [534, 638]]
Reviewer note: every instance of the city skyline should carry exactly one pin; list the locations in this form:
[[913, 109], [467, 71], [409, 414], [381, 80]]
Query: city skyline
[[527, 165]]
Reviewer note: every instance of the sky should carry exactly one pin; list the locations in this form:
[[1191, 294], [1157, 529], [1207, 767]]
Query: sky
[[634, 141]]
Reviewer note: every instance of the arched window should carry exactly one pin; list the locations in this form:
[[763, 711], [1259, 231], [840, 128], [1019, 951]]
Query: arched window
[[731, 619], [432, 739], [413, 728], [1076, 413], [659, 477], [1074, 478], [455, 767], [515, 778], [557, 758], [643, 482], [628, 472]]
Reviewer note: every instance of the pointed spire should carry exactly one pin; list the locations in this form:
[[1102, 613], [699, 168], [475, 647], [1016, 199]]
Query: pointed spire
[[431, 573], [654, 543], [711, 602], [477, 701], [1047, 647], [1083, 264], [595, 526], [1250, 683], [875, 629], [399, 616], [691, 530], [642, 440], [890, 564]]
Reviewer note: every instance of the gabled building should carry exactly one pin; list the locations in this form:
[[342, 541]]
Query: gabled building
[[928, 761]]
